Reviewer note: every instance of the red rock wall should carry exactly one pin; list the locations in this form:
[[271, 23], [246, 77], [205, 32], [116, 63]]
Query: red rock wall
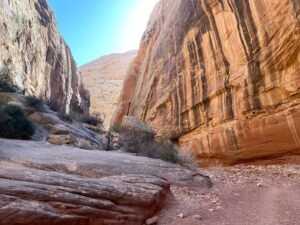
[[221, 77]]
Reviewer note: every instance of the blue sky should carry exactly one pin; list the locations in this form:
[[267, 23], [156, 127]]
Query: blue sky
[[93, 28]]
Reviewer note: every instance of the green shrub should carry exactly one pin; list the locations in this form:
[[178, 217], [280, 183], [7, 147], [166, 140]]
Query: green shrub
[[14, 123], [6, 83], [94, 120], [53, 105], [36, 103], [133, 140], [159, 149]]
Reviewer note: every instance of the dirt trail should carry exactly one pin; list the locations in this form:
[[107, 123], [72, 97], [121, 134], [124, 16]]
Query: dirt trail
[[242, 195]]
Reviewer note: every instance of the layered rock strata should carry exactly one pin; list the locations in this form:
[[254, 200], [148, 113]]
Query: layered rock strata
[[44, 184], [220, 77]]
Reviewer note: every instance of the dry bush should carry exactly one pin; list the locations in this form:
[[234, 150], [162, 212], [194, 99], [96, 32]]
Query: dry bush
[[6, 83], [14, 123], [94, 120], [143, 143], [187, 158], [37, 103], [138, 138], [53, 105]]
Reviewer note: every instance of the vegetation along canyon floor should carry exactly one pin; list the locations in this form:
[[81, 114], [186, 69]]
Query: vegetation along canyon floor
[[150, 112]]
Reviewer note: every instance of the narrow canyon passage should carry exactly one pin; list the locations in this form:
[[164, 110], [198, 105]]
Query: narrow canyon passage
[[150, 112]]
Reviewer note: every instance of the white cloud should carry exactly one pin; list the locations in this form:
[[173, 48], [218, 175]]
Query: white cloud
[[136, 24]]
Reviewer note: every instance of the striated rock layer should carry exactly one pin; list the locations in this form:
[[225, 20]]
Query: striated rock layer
[[43, 184], [220, 77], [40, 61], [104, 79]]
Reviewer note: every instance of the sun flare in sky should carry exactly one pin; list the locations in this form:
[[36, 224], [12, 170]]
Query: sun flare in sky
[[136, 24], [95, 28]]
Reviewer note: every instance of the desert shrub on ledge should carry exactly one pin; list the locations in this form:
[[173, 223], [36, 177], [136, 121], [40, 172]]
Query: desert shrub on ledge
[[142, 143], [137, 138], [94, 120], [91, 119], [35, 102], [41, 105], [6, 83], [14, 123]]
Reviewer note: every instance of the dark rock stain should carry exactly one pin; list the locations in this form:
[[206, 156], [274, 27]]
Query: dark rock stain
[[193, 60], [232, 139], [246, 24], [229, 101]]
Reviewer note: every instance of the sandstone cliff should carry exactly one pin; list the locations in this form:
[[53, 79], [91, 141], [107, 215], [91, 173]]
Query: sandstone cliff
[[220, 77], [40, 61], [104, 78]]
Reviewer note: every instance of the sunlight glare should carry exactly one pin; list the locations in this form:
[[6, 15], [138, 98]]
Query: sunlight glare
[[136, 24]]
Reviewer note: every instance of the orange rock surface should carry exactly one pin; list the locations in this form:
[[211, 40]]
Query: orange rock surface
[[221, 78]]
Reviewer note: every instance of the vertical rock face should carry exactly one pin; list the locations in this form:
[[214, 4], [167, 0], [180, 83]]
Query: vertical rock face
[[220, 77], [104, 78], [40, 61]]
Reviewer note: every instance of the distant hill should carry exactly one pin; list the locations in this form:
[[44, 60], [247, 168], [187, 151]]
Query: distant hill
[[104, 77]]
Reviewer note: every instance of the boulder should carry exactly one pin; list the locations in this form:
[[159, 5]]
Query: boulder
[[60, 139], [83, 144], [59, 129]]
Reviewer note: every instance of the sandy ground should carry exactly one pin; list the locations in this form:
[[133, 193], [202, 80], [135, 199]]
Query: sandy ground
[[248, 194]]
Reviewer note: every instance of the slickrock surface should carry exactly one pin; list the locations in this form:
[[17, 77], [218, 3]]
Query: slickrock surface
[[242, 195], [44, 184], [53, 128], [104, 78], [220, 77], [40, 61], [39, 197]]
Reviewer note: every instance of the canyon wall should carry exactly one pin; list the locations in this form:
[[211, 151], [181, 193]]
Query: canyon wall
[[104, 78], [220, 77], [40, 62]]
